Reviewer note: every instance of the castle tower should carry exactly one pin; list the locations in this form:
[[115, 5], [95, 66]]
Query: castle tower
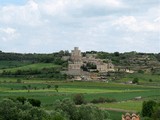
[[76, 55]]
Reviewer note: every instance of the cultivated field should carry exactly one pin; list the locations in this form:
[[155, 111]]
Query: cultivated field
[[123, 93]]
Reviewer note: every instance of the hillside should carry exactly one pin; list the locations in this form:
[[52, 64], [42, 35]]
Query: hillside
[[20, 64]]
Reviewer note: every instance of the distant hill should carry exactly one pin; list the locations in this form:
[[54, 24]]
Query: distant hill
[[17, 62]]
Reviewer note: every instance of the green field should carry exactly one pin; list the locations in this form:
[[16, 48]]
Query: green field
[[124, 94], [13, 64], [36, 66], [37, 88]]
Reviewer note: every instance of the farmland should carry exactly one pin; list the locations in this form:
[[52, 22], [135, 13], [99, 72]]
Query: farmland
[[34, 79], [124, 94]]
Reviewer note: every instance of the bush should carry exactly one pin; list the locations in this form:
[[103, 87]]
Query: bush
[[21, 99], [147, 108], [83, 112], [78, 99], [103, 100], [156, 113], [34, 102], [19, 81], [135, 81]]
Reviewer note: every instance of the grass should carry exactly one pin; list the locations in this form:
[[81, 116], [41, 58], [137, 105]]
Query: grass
[[67, 89], [123, 93], [114, 115], [143, 78], [36, 66], [13, 64], [124, 105]]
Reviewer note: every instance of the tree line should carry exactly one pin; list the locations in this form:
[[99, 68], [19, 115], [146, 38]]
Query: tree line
[[65, 109]]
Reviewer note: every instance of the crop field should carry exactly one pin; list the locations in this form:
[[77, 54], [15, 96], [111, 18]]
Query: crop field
[[124, 94], [36, 66], [144, 78], [12, 64]]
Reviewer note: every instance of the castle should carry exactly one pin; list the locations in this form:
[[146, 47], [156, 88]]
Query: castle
[[76, 62]]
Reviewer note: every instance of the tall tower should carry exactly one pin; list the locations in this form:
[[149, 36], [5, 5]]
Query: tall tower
[[76, 55]]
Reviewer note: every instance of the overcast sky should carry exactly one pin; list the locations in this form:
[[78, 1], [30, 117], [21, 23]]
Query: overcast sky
[[46, 26]]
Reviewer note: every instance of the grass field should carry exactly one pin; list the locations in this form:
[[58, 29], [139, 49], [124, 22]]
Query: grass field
[[90, 90], [36, 66], [123, 93], [143, 78], [130, 105], [13, 64]]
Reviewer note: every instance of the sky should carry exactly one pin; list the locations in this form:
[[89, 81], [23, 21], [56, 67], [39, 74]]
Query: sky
[[47, 26]]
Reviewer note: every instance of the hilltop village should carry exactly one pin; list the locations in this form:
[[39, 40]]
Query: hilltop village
[[88, 67]]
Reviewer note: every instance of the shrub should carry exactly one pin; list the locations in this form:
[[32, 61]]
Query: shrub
[[19, 81], [103, 100], [78, 99], [34, 102], [147, 108], [135, 81], [21, 99], [156, 113]]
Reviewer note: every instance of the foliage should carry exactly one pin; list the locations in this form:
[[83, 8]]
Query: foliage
[[21, 99], [80, 113], [156, 112], [103, 100], [34, 102], [88, 66], [135, 81], [56, 87], [11, 110], [78, 99], [147, 108]]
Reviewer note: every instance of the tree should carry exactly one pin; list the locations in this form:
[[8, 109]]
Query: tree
[[83, 112], [8, 110], [78, 99], [92, 113], [135, 81], [68, 107], [21, 99], [19, 81], [156, 112], [29, 87], [116, 54], [34, 102], [48, 86], [56, 87], [147, 108]]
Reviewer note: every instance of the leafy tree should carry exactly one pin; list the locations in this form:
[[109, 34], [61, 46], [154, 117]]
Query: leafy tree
[[68, 107], [48, 86], [82, 112], [21, 99], [92, 113], [116, 54], [34, 102], [56, 87], [135, 81], [78, 99], [156, 112], [147, 108], [8, 110], [19, 80]]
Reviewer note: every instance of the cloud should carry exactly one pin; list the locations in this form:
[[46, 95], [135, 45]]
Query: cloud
[[131, 23], [52, 25], [27, 14], [8, 34]]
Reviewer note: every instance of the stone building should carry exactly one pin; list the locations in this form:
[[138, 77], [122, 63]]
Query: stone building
[[76, 61]]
